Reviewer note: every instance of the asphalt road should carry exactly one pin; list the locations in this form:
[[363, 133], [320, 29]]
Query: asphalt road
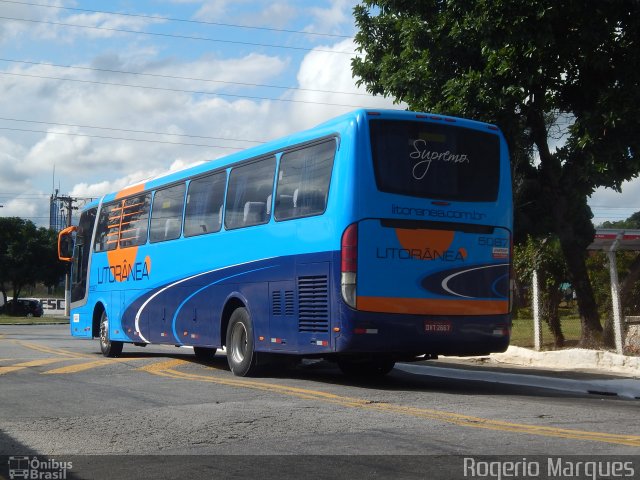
[[59, 396]]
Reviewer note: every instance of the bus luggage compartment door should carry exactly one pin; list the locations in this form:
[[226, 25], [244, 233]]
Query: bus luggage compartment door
[[432, 268]]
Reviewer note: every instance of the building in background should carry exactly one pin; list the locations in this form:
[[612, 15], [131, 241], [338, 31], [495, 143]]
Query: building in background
[[57, 213]]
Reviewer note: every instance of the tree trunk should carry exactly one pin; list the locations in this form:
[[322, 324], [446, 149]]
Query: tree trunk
[[550, 312], [587, 307], [566, 225], [17, 290]]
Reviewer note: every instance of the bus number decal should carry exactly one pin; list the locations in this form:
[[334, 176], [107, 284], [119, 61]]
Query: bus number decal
[[493, 242]]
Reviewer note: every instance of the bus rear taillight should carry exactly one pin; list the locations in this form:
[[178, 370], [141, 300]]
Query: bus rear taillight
[[349, 264]]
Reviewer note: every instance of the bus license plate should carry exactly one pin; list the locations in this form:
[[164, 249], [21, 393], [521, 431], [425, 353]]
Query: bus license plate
[[431, 326]]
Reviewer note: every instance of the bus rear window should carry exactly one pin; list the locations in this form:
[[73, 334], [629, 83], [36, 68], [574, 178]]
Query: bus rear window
[[445, 162]]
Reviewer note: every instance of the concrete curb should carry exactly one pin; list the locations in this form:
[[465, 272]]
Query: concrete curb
[[571, 359]]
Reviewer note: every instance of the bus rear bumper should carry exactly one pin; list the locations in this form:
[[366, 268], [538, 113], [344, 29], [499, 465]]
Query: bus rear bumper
[[415, 335]]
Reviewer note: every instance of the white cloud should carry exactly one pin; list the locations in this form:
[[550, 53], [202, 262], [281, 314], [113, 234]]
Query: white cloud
[[270, 13], [18, 29], [10, 171], [334, 18], [253, 68], [274, 14], [37, 22], [57, 148], [27, 207], [609, 205], [325, 77], [213, 9]]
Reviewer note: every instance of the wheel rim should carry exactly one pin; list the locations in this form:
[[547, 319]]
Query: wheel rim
[[238, 342], [104, 332]]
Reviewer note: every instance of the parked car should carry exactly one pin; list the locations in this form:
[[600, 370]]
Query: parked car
[[24, 307]]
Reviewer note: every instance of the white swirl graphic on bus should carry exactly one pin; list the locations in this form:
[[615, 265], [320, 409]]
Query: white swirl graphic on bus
[[425, 157]]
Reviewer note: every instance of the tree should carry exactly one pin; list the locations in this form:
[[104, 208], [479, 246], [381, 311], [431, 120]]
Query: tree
[[27, 255], [633, 222], [9, 226], [51, 268], [560, 77]]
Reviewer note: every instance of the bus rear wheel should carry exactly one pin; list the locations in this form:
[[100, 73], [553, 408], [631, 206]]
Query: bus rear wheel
[[375, 366], [108, 347], [241, 354]]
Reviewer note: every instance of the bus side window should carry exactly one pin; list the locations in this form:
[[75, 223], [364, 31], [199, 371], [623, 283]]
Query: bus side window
[[203, 213], [249, 193], [303, 184], [108, 228], [135, 221], [166, 214]]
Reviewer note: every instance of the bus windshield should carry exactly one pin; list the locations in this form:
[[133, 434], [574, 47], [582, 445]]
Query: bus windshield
[[445, 162]]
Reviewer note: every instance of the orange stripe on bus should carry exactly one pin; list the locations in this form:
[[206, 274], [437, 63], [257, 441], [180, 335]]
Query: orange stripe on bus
[[424, 306], [130, 191]]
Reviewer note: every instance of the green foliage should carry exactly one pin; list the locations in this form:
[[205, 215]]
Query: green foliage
[[27, 255], [633, 222], [545, 257]]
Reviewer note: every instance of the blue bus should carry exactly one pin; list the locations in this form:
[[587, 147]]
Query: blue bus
[[375, 237]]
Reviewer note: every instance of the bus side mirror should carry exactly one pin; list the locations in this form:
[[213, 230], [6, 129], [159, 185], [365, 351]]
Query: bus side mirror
[[65, 244]]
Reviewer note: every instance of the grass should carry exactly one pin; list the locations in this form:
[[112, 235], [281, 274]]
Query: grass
[[11, 320], [522, 331]]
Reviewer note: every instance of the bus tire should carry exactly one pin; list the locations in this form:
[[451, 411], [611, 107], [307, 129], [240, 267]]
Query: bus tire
[[376, 366], [241, 354], [108, 347], [204, 354]]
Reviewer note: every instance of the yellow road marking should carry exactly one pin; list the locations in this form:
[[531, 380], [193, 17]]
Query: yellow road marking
[[166, 369], [54, 351], [80, 367], [31, 363]]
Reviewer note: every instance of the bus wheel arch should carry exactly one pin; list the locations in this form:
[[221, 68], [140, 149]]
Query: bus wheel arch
[[231, 305], [97, 316]]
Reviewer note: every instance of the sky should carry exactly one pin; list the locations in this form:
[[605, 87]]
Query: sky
[[95, 96]]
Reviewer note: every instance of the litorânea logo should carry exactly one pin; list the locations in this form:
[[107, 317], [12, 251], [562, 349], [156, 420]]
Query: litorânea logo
[[34, 468]]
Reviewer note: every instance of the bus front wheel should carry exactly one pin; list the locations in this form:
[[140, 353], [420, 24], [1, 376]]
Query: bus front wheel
[[241, 354], [108, 347]]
